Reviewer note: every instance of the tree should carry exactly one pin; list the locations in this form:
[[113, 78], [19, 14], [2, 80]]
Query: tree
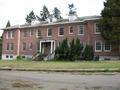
[[88, 53], [8, 24], [56, 13], [44, 14], [71, 9], [30, 17], [110, 21]]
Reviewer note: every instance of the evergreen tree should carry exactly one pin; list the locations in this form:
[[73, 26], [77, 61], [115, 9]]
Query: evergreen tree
[[110, 21], [88, 53], [72, 50], [71, 9], [56, 13], [44, 14], [78, 49], [30, 17], [8, 24]]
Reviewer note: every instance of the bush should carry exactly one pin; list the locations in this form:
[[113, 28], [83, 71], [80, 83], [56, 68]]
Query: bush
[[88, 53]]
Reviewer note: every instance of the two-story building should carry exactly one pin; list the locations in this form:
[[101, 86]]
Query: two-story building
[[28, 39]]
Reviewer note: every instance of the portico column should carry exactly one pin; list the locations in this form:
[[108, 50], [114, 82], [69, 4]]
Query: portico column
[[40, 47], [51, 47]]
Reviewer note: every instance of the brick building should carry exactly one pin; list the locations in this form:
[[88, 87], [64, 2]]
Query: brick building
[[26, 40]]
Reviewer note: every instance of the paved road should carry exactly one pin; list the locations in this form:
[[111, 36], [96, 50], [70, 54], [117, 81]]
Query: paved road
[[59, 81]]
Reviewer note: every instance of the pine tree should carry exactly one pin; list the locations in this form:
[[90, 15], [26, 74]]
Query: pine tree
[[30, 17], [56, 13], [8, 24], [44, 14], [110, 21], [71, 9]]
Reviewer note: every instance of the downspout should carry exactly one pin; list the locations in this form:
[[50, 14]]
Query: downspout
[[18, 46]]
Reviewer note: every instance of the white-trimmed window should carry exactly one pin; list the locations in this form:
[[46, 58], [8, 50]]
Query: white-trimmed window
[[10, 35], [107, 46], [49, 32], [10, 46], [71, 29], [96, 28], [61, 31], [30, 45], [23, 46], [98, 46], [31, 33], [81, 29], [38, 33]]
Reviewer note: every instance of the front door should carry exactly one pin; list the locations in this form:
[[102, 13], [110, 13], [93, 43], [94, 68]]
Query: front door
[[47, 46]]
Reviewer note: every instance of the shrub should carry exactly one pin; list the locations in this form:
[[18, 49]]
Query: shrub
[[88, 53]]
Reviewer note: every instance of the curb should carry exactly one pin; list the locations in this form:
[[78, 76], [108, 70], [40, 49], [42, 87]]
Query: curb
[[62, 70]]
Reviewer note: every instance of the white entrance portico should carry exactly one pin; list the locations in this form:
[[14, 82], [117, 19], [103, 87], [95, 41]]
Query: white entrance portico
[[47, 46]]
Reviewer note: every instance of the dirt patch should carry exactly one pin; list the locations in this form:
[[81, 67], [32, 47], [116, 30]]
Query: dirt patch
[[22, 84]]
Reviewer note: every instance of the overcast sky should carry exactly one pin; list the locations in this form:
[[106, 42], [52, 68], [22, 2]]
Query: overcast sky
[[16, 10]]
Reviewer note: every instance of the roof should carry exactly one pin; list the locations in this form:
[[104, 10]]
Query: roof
[[61, 21]]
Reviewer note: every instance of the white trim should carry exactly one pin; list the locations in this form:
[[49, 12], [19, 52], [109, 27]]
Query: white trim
[[69, 29], [95, 26], [59, 30], [18, 46], [83, 29], [47, 41], [4, 57], [101, 46], [107, 50]]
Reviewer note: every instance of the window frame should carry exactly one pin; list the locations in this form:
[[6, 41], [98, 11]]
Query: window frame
[[96, 46], [59, 31], [80, 30], [110, 46], [10, 34], [70, 29], [48, 32], [31, 32], [38, 31], [23, 47], [96, 28]]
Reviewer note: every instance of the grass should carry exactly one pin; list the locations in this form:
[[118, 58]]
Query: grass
[[26, 64]]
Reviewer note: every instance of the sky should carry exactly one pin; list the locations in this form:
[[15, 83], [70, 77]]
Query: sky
[[16, 10]]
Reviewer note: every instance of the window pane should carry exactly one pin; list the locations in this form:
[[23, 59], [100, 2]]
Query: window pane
[[49, 32], [71, 29], [81, 29], [97, 28], [98, 46], [31, 32], [61, 31], [38, 33], [107, 45]]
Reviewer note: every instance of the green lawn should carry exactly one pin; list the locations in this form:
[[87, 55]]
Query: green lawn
[[60, 65]]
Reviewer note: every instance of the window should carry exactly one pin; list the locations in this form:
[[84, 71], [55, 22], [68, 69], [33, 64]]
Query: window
[[23, 46], [98, 46], [11, 56], [61, 31], [24, 34], [81, 29], [7, 56], [10, 34], [49, 32], [107, 46], [31, 45], [31, 33], [71, 29], [38, 33], [10, 46], [97, 28]]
